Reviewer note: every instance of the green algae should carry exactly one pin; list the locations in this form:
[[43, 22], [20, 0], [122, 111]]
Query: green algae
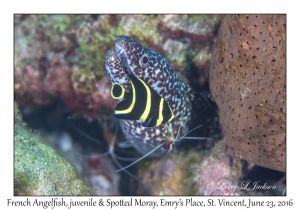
[[39, 169], [90, 57], [23, 183], [211, 19], [143, 27], [91, 50], [91, 38], [84, 39], [40, 36]]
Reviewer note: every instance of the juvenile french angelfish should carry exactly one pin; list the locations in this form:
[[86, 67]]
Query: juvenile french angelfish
[[131, 60], [141, 103]]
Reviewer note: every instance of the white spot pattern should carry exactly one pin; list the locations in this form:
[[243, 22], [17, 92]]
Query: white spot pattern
[[164, 80]]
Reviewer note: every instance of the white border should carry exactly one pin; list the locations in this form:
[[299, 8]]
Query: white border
[[152, 6]]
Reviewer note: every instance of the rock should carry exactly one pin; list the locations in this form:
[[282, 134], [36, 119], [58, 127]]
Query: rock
[[39, 169]]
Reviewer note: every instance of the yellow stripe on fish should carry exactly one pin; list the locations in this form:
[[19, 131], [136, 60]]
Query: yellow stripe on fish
[[141, 103]]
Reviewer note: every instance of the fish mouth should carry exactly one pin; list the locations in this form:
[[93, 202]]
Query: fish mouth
[[120, 45], [120, 52], [111, 56], [116, 61], [125, 66], [115, 69]]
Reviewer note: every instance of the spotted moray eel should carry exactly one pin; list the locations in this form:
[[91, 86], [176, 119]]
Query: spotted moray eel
[[161, 76]]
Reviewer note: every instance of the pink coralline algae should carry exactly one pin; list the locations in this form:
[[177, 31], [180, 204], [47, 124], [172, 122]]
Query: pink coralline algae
[[219, 172], [34, 87], [169, 176], [101, 176], [215, 172]]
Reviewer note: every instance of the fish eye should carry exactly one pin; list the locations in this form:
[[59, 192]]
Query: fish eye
[[144, 60]]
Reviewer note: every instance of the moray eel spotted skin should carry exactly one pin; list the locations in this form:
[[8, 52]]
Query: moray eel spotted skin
[[160, 75]]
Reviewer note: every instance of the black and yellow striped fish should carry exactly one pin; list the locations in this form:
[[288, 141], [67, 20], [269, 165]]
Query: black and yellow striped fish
[[141, 103]]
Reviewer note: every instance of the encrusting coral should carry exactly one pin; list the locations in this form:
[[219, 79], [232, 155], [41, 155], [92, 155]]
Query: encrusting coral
[[39, 169]]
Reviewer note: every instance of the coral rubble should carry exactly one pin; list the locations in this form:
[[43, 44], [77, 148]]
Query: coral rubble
[[248, 83]]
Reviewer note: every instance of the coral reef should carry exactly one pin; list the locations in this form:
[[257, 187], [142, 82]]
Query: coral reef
[[183, 171], [49, 55], [248, 83], [188, 42], [170, 175], [219, 172], [61, 57], [97, 170], [205, 173], [59, 60], [101, 176], [39, 169]]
